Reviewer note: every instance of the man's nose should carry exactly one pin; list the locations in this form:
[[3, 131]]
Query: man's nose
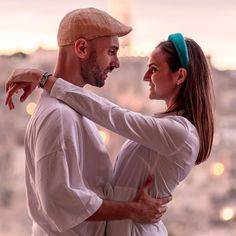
[[116, 63], [147, 76]]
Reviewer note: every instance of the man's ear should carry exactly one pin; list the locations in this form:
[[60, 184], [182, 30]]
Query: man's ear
[[182, 75], [81, 48]]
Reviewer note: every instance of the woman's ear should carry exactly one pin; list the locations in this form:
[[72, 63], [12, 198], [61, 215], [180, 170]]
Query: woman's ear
[[81, 48], [182, 75]]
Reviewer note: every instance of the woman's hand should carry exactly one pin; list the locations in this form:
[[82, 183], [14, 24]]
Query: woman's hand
[[26, 79]]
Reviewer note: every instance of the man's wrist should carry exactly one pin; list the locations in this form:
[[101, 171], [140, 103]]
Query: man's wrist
[[44, 79], [133, 210], [50, 82], [114, 210]]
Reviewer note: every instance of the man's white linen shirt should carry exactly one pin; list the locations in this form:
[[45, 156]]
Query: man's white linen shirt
[[67, 167]]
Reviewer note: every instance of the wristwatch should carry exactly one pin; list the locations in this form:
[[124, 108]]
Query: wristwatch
[[44, 79]]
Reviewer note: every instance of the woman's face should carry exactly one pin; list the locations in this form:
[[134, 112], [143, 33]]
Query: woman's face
[[162, 81]]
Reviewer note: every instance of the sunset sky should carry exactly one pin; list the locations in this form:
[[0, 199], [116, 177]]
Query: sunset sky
[[26, 25]]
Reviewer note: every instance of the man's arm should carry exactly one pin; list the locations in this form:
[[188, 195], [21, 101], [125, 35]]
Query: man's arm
[[142, 209]]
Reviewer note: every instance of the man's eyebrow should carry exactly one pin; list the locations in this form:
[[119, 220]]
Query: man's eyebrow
[[114, 47], [151, 64]]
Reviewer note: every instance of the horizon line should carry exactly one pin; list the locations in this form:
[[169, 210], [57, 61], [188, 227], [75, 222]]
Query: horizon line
[[10, 53]]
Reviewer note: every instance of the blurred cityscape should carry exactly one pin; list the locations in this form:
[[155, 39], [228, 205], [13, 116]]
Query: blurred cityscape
[[203, 205]]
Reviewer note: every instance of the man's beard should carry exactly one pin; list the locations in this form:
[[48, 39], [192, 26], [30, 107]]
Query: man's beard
[[90, 71]]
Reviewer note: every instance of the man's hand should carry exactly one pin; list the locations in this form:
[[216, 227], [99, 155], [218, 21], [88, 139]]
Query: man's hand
[[25, 79], [149, 210]]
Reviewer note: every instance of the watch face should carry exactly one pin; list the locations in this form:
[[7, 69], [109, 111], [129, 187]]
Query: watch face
[[44, 79]]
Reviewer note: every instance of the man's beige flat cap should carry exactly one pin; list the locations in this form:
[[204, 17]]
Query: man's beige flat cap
[[88, 23]]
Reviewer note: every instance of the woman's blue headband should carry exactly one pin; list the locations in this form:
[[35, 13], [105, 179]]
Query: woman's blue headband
[[181, 48]]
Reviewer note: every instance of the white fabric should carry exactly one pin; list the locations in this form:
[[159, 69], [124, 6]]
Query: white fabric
[[64, 183], [165, 147]]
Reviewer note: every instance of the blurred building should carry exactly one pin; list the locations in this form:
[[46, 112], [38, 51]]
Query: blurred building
[[204, 204]]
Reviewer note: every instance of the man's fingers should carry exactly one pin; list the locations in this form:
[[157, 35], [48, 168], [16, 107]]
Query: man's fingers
[[10, 80], [156, 219], [164, 200], [10, 104], [161, 206], [8, 98], [13, 89], [27, 75], [26, 93], [162, 209], [8, 84]]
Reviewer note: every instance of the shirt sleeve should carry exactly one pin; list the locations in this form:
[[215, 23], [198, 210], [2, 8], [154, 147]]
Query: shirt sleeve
[[164, 135], [64, 197]]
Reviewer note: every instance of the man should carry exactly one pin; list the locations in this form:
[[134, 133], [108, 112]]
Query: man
[[67, 165]]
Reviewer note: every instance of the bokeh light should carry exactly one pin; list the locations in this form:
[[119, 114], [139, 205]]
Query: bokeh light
[[227, 214], [105, 136], [217, 168], [30, 108]]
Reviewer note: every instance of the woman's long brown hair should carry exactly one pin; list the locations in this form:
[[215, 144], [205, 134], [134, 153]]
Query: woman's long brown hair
[[196, 96]]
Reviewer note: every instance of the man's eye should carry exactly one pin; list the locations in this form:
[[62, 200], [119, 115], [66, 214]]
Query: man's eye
[[112, 52], [153, 69]]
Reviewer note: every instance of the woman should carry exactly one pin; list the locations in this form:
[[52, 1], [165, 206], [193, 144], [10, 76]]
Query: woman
[[166, 146]]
